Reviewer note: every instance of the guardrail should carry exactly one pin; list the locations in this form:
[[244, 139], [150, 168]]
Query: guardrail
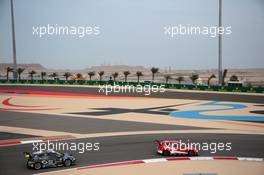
[[168, 86]]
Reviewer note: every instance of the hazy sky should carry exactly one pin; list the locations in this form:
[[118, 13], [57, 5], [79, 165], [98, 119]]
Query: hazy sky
[[132, 33]]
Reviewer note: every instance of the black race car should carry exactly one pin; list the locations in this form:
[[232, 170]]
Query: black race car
[[49, 158]]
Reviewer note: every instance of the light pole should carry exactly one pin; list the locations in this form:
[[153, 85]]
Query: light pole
[[14, 42], [220, 72]]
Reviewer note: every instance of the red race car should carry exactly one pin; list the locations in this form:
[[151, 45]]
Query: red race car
[[174, 147]]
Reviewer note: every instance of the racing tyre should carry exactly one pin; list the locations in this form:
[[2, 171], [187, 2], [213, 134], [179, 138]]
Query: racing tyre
[[67, 163], [37, 166], [190, 153], [28, 165], [166, 153]]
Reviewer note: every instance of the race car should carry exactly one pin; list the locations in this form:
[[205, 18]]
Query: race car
[[48, 158], [174, 147]]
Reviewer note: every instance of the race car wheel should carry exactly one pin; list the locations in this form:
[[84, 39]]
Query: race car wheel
[[166, 153], [37, 166], [190, 153], [67, 162]]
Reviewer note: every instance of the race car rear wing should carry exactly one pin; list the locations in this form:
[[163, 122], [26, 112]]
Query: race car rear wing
[[158, 142], [27, 155]]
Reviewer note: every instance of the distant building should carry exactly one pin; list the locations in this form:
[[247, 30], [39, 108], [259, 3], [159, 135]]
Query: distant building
[[235, 83], [199, 81]]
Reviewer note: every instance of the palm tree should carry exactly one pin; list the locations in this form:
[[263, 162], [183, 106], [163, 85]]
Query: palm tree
[[67, 75], [209, 79], [91, 74], [20, 71], [31, 74], [54, 75], [233, 78], [180, 79], [126, 73], [101, 73], [167, 77], [139, 74], [115, 75], [8, 69], [194, 77], [154, 70], [43, 74]]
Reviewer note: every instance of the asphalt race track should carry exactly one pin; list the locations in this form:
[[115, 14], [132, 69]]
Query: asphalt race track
[[123, 148], [85, 125], [5, 136], [118, 148]]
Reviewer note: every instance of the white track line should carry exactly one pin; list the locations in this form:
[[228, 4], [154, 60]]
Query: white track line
[[155, 160]]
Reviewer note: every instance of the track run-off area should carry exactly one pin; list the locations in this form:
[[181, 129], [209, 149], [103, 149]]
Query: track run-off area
[[125, 126]]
